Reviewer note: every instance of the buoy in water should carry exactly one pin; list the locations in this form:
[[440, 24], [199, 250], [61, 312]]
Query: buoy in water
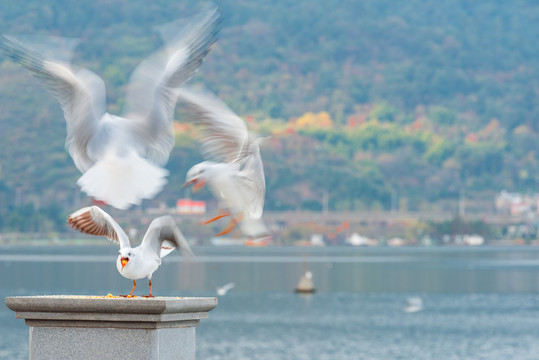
[[305, 284]]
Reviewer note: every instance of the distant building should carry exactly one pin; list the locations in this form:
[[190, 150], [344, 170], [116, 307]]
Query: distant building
[[472, 240], [190, 207], [358, 240], [516, 203], [317, 240]]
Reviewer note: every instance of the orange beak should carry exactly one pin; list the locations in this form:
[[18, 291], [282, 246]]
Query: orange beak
[[189, 182], [199, 185], [124, 261]]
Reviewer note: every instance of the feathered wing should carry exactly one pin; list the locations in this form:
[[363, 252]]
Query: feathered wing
[[224, 137], [81, 93], [94, 221], [228, 286], [223, 134], [240, 191], [253, 182], [151, 97], [162, 234], [242, 196]]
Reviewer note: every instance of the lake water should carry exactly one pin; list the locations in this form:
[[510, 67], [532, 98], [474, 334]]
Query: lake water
[[478, 303]]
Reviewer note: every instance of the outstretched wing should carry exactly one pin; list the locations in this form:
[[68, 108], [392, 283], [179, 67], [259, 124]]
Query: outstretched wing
[[225, 138], [151, 96], [94, 221], [253, 181], [163, 231], [223, 134], [81, 93]]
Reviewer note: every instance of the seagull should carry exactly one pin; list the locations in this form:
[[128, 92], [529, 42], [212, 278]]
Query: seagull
[[234, 171], [121, 158], [162, 236], [221, 291], [413, 304]]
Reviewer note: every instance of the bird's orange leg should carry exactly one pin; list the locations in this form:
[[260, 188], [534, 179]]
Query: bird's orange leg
[[222, 214], [230, 226], [133, 289], [134, 286], [150, 294]]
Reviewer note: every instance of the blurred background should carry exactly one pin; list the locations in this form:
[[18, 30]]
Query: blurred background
[[401, 166]]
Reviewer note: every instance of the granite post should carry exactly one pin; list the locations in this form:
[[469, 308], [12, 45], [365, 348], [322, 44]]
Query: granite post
[[98, 327]]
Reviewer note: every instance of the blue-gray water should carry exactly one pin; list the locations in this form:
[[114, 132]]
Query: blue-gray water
[[478, 303]]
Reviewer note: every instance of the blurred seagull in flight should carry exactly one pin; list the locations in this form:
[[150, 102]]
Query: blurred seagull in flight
[[162, 236], [122, 157], [222, 290], [234, 171]]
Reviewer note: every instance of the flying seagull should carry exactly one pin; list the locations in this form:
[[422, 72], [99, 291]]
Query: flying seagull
[[122, 157], [162, 236], [234, 169], [222, 290]]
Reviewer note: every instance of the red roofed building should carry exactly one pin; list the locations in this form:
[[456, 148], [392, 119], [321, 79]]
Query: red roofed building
[[190, 207]]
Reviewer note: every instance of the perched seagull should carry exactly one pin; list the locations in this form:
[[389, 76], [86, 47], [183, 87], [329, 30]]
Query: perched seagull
[[122, 157], [234, 171], [133, 263], [221, 291]]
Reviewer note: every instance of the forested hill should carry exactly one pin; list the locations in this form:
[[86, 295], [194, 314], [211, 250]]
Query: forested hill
[[417, 100]]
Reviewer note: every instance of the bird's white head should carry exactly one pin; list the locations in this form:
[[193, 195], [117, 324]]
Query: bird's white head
[[125, 255], [196, 176]]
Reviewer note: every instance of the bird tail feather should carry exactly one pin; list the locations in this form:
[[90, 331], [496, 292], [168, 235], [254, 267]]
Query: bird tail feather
[[123, 181], [254, 228]]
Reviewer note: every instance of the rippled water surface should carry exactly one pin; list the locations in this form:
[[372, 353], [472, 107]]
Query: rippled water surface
[[477, 303]]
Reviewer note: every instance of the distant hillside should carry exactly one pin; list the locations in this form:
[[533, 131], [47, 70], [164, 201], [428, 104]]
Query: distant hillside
[[425, 100]]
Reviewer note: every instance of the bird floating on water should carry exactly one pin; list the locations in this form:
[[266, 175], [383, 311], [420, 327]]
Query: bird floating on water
[[413, 304], [121, 157], [162, 236], [234, 169]]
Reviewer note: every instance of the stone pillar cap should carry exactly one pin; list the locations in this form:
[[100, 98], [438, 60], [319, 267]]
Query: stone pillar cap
[[104, 304], [108, 311]]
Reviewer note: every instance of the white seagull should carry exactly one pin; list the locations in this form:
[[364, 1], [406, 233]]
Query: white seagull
[[222, 290], [234, 170], [122, 157], [162, 236], [413, 304]]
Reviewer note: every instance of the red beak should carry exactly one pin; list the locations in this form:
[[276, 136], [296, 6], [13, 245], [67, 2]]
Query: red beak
[[124, 261], [197, 184]]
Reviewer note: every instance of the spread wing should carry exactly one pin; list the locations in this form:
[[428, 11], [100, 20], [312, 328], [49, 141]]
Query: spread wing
[[94, 221], [162, 234], [225, 138], [151, 96], [252, 181], [81, 93], [223, 134]]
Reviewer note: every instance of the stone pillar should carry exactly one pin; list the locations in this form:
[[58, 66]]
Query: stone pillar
[[96, 327]]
